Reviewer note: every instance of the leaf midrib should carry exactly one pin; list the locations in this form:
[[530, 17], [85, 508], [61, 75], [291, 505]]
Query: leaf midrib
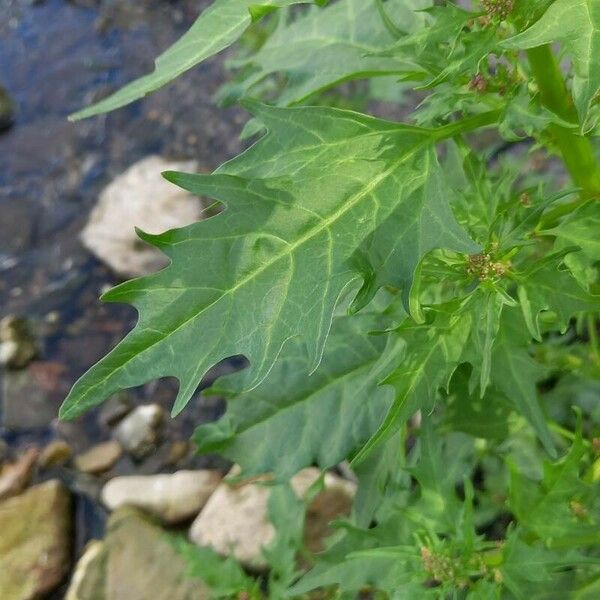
[[319, 228]]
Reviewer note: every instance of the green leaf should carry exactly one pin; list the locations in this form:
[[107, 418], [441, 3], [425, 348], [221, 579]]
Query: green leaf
[[287, 515], [487, 311], [549, 288], [323, 48], [529, 570], [581, 229], [483, 417], [219, 26], [515, 373], [433, 352], [451, 45], [352, 566], [575, 24], [559, 509], [324, 187], [324, 416], [224, 576]]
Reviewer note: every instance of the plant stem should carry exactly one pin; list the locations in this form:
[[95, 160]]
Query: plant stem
[[468, 124], [576, 150]]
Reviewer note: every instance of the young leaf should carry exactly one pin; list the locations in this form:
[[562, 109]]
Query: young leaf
[[224, 576], [483, 417], [581, 229], [323, 48], [548, 287], [324, 417], [576, 25], [515, 374], [321, 187], [558, 510], [221, 24], [453, 45], [434, 352]]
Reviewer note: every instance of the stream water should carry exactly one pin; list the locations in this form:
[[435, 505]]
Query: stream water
[[55, 57]]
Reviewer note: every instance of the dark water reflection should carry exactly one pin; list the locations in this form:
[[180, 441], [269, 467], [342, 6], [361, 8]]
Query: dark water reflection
[[55, 57]]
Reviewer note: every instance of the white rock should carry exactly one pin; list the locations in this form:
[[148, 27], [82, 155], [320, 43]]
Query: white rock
[[138, 431], [140, 197], [173, 498], [235, 521]]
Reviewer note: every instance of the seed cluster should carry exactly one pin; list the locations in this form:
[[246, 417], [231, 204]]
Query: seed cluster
[[483, 266], [498, 8], [442, 569], [447, 569], [478, 84], [578, 509]]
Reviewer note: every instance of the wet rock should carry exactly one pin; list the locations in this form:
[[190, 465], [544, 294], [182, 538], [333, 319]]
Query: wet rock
[[26, 404], [3, 452], [235, 518], [115, 409], [17, 344], [136, 561], [99, 458], [139, 197], [35, 541], [7, 110], [15, 477], [87, 582], [138, 432], [178, 451], [172, 498], [56, 454]]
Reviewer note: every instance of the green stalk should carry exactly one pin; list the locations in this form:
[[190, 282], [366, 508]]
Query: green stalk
[[576, 150], [468, 124]]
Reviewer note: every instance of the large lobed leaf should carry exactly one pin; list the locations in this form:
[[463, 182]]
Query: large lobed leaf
[[324, 417], [326, 198], [219, 26]]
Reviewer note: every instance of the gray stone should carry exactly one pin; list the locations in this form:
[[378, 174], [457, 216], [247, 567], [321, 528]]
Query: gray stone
[[172, 498], [35, 541], [99, 458], [136, 561], [142, 198], [25, 403], [18, 347], [115, 409], [138, 432], [235, 520]]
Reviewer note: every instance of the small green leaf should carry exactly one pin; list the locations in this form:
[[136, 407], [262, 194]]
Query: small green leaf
[[581, 229], [433, 352], [576, 25], [323, 48], [515, 373], [559, 509], [216, 28], [548, 287]]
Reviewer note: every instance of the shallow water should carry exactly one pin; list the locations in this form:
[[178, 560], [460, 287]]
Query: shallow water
[[55, 57]]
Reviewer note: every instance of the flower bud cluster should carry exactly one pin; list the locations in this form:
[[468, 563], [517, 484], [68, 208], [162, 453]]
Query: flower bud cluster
[[498, 8]]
